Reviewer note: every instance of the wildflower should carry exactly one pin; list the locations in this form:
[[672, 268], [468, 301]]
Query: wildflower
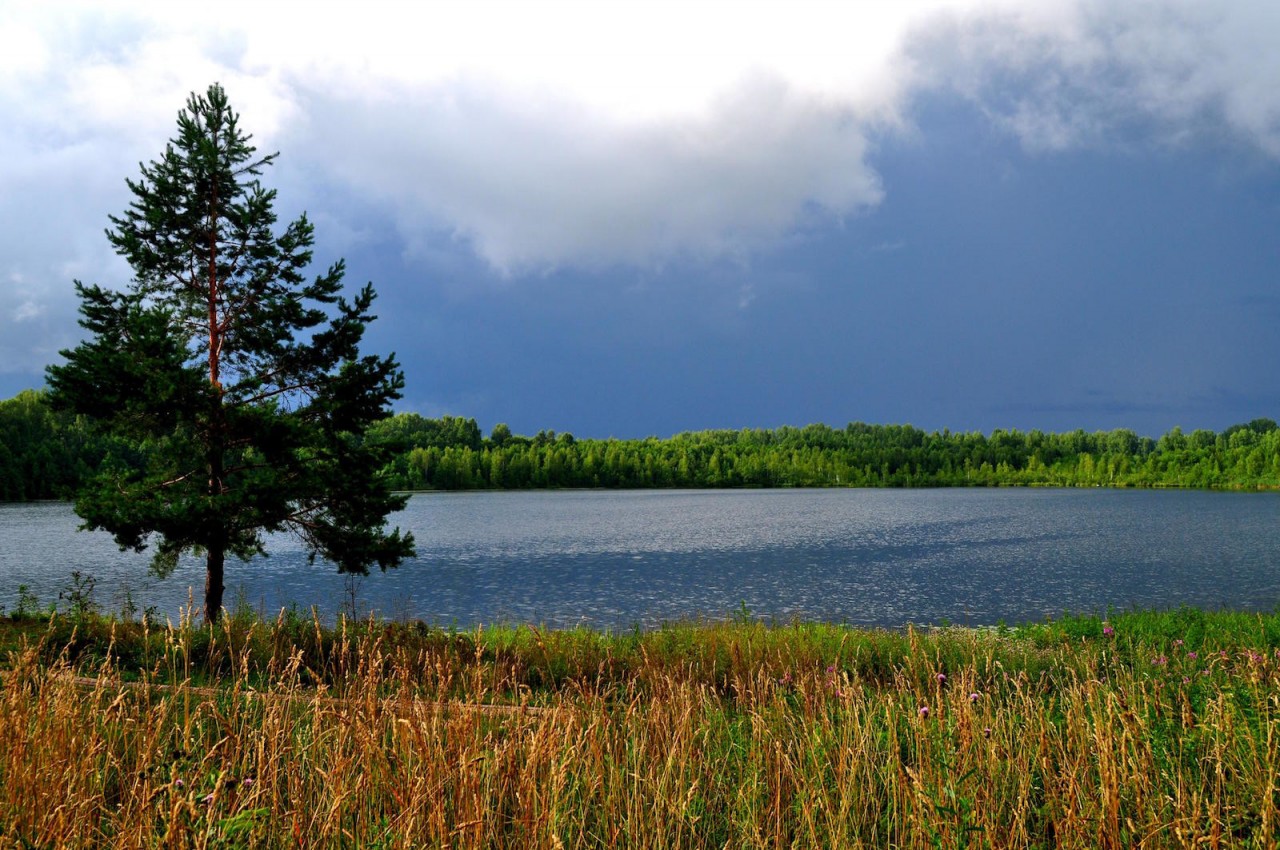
[[178, 783], [207, 798], [1192, 654], [1204, 672], [1107, 631], [942, 677], [1178, 642], [1186, 680], [986, 731], [974, 697], [248, 783], [924, 712], [831, 669], [1160, 660]]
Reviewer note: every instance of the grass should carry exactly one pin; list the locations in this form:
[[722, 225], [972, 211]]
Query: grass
[[1155, 729]]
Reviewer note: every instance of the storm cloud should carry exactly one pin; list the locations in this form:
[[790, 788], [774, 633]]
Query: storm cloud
[[746, 151]]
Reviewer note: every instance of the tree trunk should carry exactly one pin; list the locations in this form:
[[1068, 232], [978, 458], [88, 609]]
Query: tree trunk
[[217, 550], [213, 584]]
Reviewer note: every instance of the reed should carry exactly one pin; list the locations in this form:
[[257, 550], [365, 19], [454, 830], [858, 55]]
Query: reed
[[1154, 730]]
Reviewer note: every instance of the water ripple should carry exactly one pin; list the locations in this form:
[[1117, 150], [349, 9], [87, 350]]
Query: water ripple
[[617, 559]]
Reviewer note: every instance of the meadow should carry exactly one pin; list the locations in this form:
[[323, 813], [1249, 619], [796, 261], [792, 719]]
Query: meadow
[[1151, 729]]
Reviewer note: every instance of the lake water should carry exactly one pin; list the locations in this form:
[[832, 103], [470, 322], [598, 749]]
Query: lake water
[[620, 559]]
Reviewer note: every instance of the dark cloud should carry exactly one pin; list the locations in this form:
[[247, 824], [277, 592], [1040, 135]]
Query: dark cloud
[[1072, 226]]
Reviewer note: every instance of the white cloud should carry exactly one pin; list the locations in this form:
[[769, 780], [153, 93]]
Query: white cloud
[[593, 134], [537, 184], [1069, 74], [559, 133], [590, 134]]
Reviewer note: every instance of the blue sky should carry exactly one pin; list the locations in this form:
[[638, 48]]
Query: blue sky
[[627, 219]]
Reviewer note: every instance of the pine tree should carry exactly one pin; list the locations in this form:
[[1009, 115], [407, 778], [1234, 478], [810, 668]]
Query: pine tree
[[239, 382]]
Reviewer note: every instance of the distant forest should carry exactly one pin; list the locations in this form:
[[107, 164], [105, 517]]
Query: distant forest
[[44, 454]]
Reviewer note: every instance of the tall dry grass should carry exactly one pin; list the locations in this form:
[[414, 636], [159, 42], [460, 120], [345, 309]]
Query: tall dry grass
[[717, 736]]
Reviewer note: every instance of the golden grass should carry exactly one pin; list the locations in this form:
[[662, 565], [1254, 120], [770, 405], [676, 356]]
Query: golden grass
[[1078, 749]]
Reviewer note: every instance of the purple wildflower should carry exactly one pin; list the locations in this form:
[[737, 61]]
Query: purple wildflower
[[179, 783], [924, 712], [1107, 631], [1160, 659], [1192, 654], [941, 677], [207, 798], [974, 697]]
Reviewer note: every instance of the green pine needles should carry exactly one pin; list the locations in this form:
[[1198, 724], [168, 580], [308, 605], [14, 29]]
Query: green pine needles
[[240, 383]]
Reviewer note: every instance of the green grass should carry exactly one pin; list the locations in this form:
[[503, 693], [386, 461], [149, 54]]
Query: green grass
[[1159, 729]]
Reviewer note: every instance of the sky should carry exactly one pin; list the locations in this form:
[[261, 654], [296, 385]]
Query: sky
[[639, 218]]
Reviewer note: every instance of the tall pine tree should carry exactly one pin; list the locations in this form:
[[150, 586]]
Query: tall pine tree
[[240, 383]]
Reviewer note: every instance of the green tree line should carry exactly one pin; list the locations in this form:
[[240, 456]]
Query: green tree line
[[452, 454], [44, 454]]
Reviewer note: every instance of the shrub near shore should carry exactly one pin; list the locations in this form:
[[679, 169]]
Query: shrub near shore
[[1160, 729]]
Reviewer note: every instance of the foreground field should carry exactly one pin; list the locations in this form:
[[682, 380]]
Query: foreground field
[[1156, 730]]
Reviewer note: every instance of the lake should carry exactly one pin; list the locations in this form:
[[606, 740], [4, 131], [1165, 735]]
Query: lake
[[617, 559]]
